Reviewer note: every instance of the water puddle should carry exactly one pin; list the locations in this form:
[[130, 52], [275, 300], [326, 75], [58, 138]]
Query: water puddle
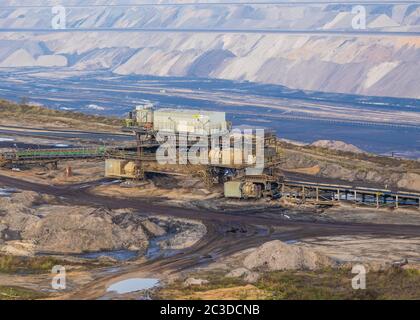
[[132, 285], [7, 192], [291, 241], [156, 251], [61, 145], [120, 255], [6, 140], [105, 183]]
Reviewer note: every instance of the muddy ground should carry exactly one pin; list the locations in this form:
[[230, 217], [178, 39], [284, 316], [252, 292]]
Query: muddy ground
[[181, 230], [220, 247]]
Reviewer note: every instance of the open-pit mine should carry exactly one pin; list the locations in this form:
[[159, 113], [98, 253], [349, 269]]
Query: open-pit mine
[[173, 203]]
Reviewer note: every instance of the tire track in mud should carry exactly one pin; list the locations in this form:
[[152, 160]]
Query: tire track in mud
[[227, 232]]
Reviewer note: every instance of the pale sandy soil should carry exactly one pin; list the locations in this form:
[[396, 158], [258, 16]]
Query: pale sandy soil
[[42, 282], [42, 142], [249, 291], [151, 191], [355, 249], [355, 214], [83, 171], [346, 212], [58, 123], [373, 253], [184, 196]]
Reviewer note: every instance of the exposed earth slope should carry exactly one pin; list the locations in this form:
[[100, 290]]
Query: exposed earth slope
[[383, 65]]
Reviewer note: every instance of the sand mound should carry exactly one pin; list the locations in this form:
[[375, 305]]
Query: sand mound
[[26, 216], [276, 255], [337, 145]]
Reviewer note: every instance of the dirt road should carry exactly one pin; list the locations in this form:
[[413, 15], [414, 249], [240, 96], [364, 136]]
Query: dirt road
[[227, 232]]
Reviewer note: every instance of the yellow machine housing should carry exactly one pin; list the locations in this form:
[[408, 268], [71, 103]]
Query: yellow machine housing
[[116, 168]]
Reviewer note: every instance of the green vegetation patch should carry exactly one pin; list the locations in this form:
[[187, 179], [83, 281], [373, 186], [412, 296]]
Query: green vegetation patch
[[12, 264], [327, 284], [17, 293], [43, 264], [13, 110]]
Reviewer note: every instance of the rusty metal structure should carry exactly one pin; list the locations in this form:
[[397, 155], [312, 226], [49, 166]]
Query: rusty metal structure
[[150, 128], [49, 156], [303, 192], [207, 129], [253, 187]]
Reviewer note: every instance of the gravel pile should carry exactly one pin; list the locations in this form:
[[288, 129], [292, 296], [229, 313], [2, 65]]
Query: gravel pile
[[27, 217], [276, 255]]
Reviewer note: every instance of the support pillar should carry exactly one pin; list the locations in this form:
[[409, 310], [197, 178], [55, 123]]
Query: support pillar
[[140, 151], [303, 194]]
